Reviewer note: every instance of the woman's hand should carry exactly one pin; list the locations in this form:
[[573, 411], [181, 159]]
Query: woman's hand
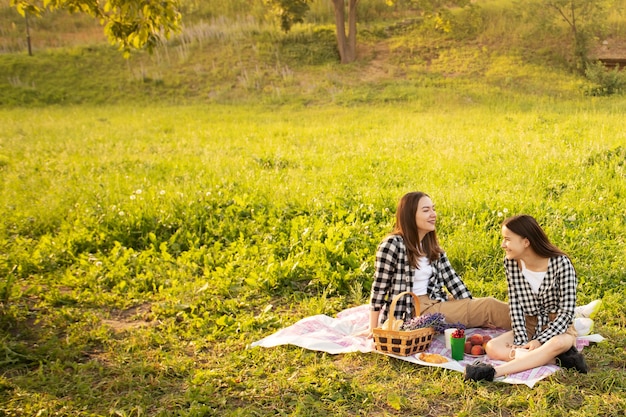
[[533, 344], [374, 315]]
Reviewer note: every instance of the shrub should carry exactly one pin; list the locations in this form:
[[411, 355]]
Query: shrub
[[604, 81]]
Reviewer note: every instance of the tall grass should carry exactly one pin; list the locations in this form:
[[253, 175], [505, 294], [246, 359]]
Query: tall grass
[[158, 215], [244, 58], [145, 247]]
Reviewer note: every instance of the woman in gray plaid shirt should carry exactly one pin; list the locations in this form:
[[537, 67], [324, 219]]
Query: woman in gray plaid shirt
[[410, 259], [542, 297]]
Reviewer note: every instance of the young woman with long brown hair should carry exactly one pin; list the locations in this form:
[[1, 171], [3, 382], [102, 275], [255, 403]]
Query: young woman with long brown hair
[[542, 298], [410, 259]]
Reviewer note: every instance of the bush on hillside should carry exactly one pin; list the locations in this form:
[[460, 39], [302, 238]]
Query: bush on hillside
[[604, 82]]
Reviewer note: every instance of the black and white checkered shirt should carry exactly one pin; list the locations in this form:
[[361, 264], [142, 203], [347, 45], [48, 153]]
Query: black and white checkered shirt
[[557, 294], [395, 275]]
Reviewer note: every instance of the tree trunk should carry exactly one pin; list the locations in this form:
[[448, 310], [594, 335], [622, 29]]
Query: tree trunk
[[346, 44], [351, 52], [30, 49]]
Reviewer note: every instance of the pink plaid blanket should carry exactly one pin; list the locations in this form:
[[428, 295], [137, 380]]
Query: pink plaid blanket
[[347, 333]]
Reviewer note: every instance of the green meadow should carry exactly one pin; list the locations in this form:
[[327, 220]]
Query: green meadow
[[148, 236], [145, 248]]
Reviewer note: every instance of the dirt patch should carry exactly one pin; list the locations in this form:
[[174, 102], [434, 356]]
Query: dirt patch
[[129, 319], [611, 52], [378, 67], [610, 49]]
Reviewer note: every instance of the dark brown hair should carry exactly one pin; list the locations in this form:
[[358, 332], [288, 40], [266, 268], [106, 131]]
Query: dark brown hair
[[407, 228], [527, 227]]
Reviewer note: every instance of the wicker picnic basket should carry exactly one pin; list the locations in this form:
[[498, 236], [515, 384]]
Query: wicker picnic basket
[[403, 342]]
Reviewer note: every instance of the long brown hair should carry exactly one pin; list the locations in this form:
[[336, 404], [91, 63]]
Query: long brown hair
[[406, 227], [527, 227]]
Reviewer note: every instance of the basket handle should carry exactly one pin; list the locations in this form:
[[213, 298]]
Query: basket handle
[[416, 303]]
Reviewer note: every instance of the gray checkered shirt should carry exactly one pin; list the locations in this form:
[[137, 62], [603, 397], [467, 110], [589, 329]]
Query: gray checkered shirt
[[395, 275], [557, 294]]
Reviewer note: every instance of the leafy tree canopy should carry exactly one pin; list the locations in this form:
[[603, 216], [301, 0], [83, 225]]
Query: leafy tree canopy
[[288, 11], [131, 24]]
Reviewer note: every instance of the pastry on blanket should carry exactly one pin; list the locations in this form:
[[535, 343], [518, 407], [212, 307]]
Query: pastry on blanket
[[432, 358]]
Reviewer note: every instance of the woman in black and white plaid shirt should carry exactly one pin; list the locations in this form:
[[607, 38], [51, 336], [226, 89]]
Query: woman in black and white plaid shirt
[[542, 297], [410, 259]]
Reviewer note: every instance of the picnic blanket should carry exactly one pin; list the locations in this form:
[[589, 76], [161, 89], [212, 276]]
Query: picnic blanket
[[347, 333]]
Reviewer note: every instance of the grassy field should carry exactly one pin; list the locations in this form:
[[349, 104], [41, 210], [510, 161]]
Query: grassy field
[[159, 215], [145, 248], [490, 53]]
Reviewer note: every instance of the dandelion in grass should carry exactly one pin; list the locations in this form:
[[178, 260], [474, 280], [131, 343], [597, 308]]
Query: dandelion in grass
[[162, 192], [132, 196], [121, 213]]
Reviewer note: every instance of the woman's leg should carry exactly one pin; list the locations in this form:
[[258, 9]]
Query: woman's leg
[[543, 355], [560, 347], [500, 347], [471, 312]]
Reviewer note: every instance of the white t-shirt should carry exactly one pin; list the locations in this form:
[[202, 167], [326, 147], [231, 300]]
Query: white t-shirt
[[421, 276], [534, 278]]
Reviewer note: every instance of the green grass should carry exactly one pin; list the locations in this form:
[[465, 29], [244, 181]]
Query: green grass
[[237, 60], [147, 247], [160, 214]]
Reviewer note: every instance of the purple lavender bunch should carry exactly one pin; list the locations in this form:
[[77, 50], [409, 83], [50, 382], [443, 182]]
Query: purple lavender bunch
[[435, 320]]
